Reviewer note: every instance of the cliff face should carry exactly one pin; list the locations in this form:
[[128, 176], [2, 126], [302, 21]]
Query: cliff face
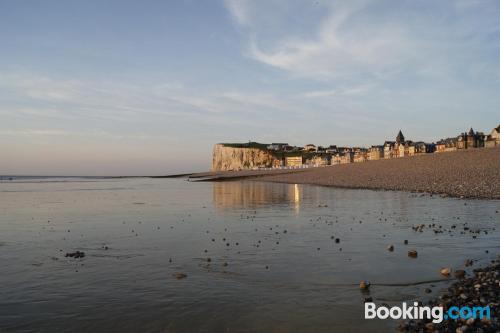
[[230, 158]]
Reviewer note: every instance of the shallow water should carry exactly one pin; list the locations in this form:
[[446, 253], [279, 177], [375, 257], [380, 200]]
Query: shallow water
[[284, 271]]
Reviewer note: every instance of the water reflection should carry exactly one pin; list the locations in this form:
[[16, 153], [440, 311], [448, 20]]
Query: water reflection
[[136, 233], [250, 195], [296, 198]]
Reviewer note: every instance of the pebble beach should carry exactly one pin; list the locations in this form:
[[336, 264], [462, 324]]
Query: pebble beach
[[473, 173]]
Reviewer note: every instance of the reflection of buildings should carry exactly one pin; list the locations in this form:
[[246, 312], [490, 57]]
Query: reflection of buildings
[[250, 194]]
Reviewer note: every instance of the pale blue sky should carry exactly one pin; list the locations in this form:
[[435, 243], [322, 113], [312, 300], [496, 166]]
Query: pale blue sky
[[147, 87]]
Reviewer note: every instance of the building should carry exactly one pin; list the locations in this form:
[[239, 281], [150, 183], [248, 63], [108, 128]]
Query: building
[[316, 160], [294, 161], [375, 153], [400, 150], [343, 158], [360, 155], [332, 149], [310, 147], [400, 138], [399, 146], [278, 163], [389, 149], [423, 148], [470, 140], [493, 139], [410, 149], [446, 145], [344, 149], [277, 146]]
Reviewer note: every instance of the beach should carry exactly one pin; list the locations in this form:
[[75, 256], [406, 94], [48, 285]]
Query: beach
[[474, 173]]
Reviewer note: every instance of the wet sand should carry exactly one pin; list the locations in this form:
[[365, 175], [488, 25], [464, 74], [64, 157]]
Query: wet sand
[[241, 174], [470, 174]]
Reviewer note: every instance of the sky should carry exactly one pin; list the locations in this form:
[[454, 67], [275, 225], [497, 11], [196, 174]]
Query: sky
[[102, 87]]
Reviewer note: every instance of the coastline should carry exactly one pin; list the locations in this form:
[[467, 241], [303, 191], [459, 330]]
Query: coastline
[[472, 173]]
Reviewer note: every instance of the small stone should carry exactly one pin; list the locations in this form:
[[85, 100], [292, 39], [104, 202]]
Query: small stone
[[77, 254], [179, 275], [470, 321], [446, 271], [390, 248], [412, 253], [364, 285], [459, 273]]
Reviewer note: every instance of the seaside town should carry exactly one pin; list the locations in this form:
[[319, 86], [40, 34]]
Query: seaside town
[[286, 156]]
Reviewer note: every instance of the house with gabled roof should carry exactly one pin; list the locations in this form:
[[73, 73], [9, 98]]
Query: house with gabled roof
[[493, 139]]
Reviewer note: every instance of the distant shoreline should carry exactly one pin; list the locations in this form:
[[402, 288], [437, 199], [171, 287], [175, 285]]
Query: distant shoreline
[[472, 173]]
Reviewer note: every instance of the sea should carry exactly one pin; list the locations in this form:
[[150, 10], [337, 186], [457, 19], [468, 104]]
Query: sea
[[253, 256]]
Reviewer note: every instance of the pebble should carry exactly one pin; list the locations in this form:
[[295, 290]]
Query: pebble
[[179, 275], [459, 273], [445, 271], [412, 253], [364, 285], [77, 254]]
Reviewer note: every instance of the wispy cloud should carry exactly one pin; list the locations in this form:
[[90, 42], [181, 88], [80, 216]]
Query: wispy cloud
[[362, 40], [239, 10], [340, 45]]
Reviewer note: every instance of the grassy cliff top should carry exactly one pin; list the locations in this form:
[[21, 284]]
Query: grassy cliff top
[[246, 145]]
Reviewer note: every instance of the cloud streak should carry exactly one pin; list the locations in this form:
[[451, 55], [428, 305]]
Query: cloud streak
[[363, 40]]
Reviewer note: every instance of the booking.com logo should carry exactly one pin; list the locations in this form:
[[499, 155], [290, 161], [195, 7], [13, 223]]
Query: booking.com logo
[[436, 313]]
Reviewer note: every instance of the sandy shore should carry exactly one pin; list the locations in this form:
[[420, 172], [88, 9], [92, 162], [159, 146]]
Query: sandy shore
[[233, 175]]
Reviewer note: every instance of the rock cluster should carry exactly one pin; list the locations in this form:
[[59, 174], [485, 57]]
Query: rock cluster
[[483, 289]]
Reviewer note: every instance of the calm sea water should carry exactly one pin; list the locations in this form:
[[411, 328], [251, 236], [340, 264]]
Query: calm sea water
[[284, 271]]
